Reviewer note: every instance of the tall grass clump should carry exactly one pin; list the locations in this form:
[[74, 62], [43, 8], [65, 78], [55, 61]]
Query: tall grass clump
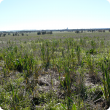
[[105, 66], [45, 55], [78, 52], [68, 86], [9, 58], [81, 88], [16, 60], [91, 64]]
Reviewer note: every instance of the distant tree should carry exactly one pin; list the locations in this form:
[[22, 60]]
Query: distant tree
[[22, 34], [77, 31], [92, 30], [109, 30], [4, 35], [38, 33], [103, 30], [16, 34], [0, 35], [43, 32], [8, 33]]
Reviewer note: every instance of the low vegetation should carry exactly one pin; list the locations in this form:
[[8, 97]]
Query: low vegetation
[[61, 71]]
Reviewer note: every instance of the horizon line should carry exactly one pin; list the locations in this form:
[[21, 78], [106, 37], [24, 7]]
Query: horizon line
[[52, 29]]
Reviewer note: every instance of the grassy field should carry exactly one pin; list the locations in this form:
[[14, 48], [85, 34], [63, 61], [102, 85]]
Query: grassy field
[[61, 71]]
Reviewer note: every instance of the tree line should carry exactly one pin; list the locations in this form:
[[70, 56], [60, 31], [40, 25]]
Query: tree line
[[43, 32]]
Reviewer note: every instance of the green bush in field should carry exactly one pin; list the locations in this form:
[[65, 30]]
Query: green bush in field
[[15, 61]]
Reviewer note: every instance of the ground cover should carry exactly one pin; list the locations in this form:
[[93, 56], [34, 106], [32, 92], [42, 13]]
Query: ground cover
[[60, 71]]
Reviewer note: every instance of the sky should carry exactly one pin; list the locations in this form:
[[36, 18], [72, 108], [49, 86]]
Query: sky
[[54, 14]]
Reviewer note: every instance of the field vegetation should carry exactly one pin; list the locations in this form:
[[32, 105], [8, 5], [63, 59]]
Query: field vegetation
[[58, 71]]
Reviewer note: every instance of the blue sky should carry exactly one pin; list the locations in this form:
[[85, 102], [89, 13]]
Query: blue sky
[[54, 14]]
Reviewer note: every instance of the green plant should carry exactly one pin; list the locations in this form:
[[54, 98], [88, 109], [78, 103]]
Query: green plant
[[15, 99], [1, 56], [91, 51], [18, 65], [78, 52], [90, 64], [106, 79], [45, 54], [81, 89], [93, 44], [68, 83]]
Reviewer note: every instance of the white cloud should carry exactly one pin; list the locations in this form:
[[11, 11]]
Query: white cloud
[[108, 1], [1, 1]]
